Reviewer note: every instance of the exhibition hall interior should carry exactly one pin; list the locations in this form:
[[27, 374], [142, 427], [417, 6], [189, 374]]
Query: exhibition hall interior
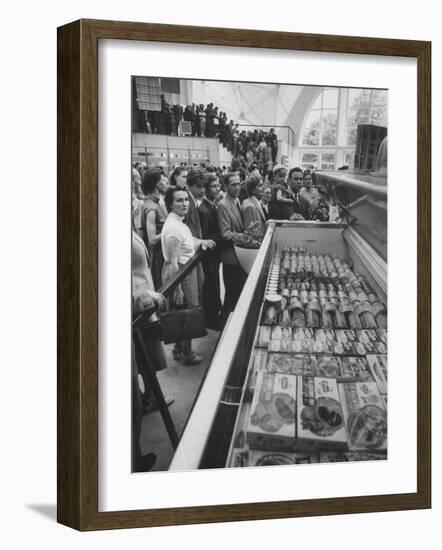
[[259, 274]]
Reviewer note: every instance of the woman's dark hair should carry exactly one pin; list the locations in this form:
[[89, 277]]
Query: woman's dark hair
[[252, 183], [178, 170], [307, 173], [296, 169], [168, 198], [150, 179]]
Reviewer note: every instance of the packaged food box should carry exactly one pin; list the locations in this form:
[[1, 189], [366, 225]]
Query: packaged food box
[[300, 333], [342, 348], [377, 365], [380, 347], [382, 334], [328, 366], [266, 458], [264, 336], [325, 335], [324, 340], [361, 349], [259, 362], [354, 369], [350, 456], [238, 459], [284, 345], [345, 335], [365, 336], [272, 420], [291, 364], [304, 345], [280, 332], [365, 416], [320, 419]]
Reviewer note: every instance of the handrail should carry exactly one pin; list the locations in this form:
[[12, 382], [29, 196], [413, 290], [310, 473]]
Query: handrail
[[167, 288], [269, 126]]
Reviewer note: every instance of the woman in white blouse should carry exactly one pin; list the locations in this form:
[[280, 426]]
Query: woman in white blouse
[[179, 246]]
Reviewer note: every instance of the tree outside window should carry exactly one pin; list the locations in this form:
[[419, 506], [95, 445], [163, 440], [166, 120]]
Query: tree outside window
[[365, 107], [321, 122]]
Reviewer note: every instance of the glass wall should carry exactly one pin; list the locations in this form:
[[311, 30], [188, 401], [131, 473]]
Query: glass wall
[[328, 133]]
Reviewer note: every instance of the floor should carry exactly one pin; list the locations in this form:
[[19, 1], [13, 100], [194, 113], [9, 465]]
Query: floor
[[182, 383]]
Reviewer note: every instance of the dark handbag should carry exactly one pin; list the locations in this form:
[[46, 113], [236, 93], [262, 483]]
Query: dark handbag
[[183, 324], [149, 325]]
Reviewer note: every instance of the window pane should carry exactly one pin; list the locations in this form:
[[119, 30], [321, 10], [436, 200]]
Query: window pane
[[329, 121], [351, 136], [379, 115], [328, 157], [313, 119], [379, 97], [330, 99], [348, 158], [311, 158], [318, 102], [311, 136], [312, 125], [325, 166]]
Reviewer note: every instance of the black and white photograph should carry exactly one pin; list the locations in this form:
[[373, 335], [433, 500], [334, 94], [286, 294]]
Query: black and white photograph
[[259, 274]]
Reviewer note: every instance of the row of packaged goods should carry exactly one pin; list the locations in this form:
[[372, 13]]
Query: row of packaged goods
[[316, 392], [309, 290], [310, 419]]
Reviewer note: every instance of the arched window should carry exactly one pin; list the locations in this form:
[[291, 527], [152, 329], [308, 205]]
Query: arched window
[[320, 125], [328, 134]]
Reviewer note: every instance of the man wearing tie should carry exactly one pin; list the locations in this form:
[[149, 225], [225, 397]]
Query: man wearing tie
[[252, 211], [265, 200], [211, 261], [231, 226]]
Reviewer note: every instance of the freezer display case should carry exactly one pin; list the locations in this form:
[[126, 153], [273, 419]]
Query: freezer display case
[[300, 372]]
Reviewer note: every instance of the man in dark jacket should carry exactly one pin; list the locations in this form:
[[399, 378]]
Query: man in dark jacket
[[211, 261]]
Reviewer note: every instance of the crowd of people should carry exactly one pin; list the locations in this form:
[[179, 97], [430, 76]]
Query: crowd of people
[[247, 147], [203, 209]]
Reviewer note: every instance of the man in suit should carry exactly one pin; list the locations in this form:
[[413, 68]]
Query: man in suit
[[231, 227], [294, 181], [265, 200], [195, 186], [252, 210], [211, 262]]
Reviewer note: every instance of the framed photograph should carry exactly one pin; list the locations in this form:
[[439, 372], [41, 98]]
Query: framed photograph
[[243, 275]]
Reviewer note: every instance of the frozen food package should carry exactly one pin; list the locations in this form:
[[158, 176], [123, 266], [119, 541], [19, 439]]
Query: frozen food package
[[342, 348], [355, 369], [377, 365], [351, 456], [266, 458], [272, 421], [328, 366], [264, 336], [292, 363], [320, 419], [365, 416]]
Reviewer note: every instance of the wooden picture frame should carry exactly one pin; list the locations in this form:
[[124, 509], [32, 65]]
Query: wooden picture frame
[[77, 460]]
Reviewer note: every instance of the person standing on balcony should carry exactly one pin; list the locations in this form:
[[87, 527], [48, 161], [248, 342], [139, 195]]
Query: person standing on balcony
[[272, 141]]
